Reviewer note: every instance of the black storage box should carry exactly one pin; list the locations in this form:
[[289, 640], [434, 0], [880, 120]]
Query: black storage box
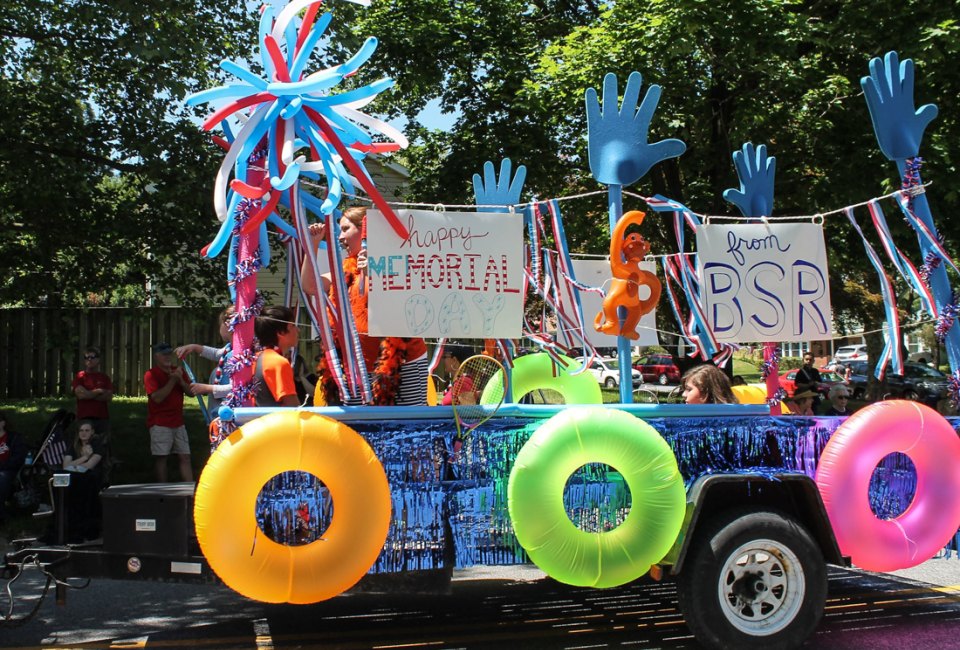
[[148, 518]]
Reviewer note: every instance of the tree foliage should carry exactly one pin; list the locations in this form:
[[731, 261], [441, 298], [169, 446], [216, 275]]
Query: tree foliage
[[91, 117], [781, 72], [104, 176]]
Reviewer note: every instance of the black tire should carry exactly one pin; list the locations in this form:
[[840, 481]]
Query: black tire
[[774, 606], [911, 395], [610, 382], [663, 380]]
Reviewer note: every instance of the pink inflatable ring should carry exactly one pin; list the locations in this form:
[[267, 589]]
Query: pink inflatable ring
[[848, 462]]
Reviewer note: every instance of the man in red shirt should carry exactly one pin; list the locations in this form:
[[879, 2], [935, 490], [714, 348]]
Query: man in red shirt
[[93, 390], [166, 385]]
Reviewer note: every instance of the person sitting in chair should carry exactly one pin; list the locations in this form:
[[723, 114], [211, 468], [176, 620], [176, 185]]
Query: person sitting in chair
[[13, 450]]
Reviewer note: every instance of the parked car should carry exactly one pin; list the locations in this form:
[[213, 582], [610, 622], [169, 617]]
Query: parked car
[[788, 381], [607, 372], [919, 383], [847, 352], [658, 368]]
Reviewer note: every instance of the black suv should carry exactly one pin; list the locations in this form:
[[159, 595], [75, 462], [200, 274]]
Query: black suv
[[919, 383]]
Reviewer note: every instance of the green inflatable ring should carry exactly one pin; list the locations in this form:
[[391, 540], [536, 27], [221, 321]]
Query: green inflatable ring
[[536, 372], [564, 443]]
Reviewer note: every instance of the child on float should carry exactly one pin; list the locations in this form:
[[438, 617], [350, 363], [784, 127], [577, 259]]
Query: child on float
[[219, 382], [398, 367], [277, 332], [453, 356], [707, 384]]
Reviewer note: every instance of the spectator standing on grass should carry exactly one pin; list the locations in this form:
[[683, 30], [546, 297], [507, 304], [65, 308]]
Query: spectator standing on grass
[[93, 390], [166, 385]]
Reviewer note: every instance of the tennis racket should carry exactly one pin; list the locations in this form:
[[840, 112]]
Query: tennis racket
[[477, 393]]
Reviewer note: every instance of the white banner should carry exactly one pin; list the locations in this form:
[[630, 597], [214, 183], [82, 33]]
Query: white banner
[[457, 275], [765, 282], [596, 273]]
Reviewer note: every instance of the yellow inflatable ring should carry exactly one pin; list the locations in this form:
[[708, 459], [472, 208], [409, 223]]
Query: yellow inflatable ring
[[254, 565], [750, 393], [564, 443], [537, 372]]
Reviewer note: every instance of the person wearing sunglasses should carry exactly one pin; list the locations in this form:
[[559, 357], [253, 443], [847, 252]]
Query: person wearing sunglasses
[[839, 400], [93, 390]]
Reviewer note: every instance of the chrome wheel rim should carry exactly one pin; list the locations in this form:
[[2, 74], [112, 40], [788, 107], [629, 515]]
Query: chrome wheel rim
[[761, 587]]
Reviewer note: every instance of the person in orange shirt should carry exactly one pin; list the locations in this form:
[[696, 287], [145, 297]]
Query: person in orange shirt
[[398, 367], [277, 332]]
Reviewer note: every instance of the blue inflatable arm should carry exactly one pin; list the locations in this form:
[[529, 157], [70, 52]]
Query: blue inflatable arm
[[617, 136], [756, 172], [889, 93]]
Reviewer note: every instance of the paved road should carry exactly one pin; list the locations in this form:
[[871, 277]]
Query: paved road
[[488, 608]]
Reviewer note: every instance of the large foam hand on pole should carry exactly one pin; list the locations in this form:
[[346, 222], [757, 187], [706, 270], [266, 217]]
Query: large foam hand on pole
[[899, 128], [495, 195], [756, 172], [492, 194], [620, 153], [889, 93]]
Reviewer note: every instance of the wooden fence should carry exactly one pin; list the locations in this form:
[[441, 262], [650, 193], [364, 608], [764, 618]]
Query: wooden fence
[[42, 349]]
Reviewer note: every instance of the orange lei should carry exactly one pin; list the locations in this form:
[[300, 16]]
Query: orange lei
[[385, 375]]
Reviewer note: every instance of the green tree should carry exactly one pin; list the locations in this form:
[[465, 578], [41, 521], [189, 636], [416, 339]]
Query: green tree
[[105, 178], [781, 72]]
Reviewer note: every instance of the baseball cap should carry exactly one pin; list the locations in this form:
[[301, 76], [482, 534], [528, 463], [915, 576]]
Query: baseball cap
[[163, 348]]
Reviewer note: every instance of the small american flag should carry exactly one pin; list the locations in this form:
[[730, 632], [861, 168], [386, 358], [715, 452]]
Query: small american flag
[[54, 448]]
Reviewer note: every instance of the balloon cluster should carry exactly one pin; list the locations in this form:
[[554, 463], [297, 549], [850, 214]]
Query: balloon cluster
[[292, 124], [279, 128]]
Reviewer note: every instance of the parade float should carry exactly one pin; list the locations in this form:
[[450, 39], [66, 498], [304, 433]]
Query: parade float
[[742, 505]]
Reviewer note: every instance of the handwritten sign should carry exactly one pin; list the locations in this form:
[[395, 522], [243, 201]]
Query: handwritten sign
[[457, 274], [765, 282], [596, 273]]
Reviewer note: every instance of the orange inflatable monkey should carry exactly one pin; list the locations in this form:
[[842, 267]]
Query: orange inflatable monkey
[[626, 253]]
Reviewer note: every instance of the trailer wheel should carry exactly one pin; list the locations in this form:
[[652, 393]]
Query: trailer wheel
[[754, 579]]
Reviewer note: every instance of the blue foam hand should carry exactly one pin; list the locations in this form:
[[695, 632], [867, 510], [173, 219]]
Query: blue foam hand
[[889, 93], [756, 171], [619, 151], [491, 191]]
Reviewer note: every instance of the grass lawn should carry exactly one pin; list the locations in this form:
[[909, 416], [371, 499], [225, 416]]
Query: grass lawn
[[130, 442], [747, 370]]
